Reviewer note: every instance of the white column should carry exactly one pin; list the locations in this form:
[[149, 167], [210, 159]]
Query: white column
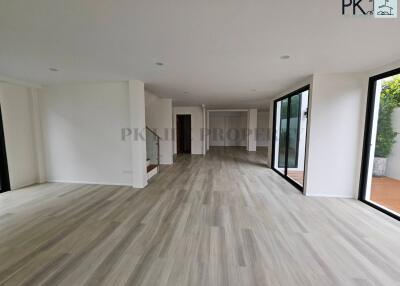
[[270, 131], [166, 143], [138, 127], [204, 131], [252, 130], [37, 133], [208, 132]]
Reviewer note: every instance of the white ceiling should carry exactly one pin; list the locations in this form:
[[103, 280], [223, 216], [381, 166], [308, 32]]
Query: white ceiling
[[219, 51]]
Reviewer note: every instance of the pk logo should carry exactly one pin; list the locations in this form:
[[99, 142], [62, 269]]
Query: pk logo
[[378, 8]]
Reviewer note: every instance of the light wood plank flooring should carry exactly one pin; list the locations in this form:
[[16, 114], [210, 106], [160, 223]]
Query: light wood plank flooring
[[223, 219]]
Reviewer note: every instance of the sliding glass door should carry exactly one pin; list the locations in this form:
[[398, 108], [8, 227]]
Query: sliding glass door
[[290, 133], [380, 176]]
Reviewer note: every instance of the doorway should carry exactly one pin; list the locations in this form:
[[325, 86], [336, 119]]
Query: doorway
[[289, 136], [184, 134], [4, 176], [380, 175]]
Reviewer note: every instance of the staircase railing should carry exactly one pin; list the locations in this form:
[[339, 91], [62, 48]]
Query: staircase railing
[[152, 149]]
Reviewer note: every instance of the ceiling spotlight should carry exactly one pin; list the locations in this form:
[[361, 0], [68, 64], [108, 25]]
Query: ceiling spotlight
[[254, 90], [53, 69], [185, 92], [159, 63], [285, 57]]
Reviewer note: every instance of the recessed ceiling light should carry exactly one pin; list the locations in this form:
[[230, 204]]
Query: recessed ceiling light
[[53, 69], [285, 57], [159, 63], [254, 90], [185, 92]]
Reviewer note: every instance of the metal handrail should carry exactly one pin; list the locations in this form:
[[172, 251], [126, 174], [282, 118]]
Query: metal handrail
[[158, 145], [153, 132]]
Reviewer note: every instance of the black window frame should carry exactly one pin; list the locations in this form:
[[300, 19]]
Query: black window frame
[[369, 120], [285, 176], [4, 174]]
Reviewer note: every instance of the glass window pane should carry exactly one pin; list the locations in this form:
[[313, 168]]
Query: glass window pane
[[293, 131], [280, 133], [297, 136], [383, 184]]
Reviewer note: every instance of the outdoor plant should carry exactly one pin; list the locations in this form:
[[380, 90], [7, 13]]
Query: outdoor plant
[[390, 99]]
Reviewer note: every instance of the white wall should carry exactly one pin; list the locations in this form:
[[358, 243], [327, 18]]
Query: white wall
[[228, 128], [262, 128], [393, 167], [17, 112], [159, 119], [81, 126], [334, 141], [196, 113], [217, 129]]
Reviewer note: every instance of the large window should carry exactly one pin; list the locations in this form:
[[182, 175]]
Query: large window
[[380, 177], [290, 133]]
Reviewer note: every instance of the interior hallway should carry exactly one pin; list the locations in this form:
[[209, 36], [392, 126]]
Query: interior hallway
[[223, 219]]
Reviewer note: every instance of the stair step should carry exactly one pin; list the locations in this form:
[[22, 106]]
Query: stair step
[[151, 167], [152, 170]]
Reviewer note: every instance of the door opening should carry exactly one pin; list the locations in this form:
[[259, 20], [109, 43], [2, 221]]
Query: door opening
[[184, 134], [4, 176]]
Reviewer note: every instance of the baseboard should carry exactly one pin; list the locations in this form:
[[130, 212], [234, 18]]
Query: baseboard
[[24, 186], [89, 183], [329, 196]]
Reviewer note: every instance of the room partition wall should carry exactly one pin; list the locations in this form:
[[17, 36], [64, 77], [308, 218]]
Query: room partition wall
[[289, 136]]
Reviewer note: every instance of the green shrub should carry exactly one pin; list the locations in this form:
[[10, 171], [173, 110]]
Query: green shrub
[[390, 99]]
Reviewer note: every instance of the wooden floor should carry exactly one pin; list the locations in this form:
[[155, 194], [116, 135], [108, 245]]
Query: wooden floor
[[297, 176], [223, 219], [385, 191]]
